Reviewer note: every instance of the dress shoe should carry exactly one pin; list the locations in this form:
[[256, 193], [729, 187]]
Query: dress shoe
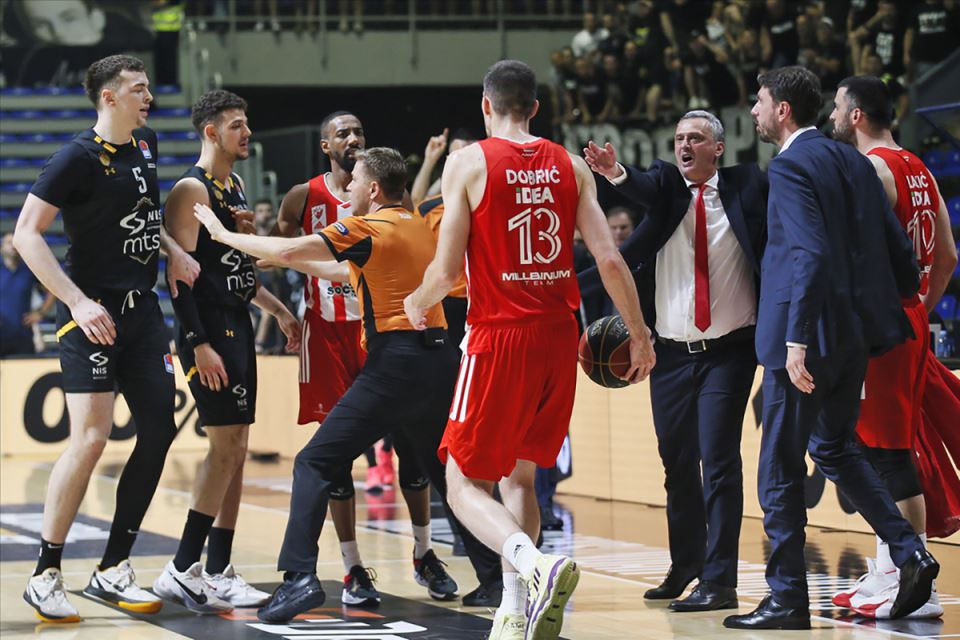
[[916, 582], [707, 596], [298, 593], [771, 615], [486, 595], [672, 586]]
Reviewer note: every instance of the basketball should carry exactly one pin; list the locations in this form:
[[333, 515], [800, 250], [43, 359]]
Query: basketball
[[604, 352]]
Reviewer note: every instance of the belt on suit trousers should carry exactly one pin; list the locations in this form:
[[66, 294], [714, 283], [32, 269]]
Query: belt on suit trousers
[[743, 334]]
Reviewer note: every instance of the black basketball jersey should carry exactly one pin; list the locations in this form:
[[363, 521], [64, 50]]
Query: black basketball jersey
[[109, 198], [227, 276]]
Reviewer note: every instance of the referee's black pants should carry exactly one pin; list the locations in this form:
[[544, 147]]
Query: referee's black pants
[[404, 385]]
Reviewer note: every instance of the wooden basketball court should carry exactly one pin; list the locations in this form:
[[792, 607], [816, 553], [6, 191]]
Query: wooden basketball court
[[621, 548]]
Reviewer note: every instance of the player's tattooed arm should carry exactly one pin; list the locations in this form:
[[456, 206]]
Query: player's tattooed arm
[[35, 217]]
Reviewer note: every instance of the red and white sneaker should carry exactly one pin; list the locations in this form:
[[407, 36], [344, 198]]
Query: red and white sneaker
[[879, 605], [385, 463], [870, 584]]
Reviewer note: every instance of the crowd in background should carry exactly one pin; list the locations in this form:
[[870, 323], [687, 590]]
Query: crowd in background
[[642, 62]]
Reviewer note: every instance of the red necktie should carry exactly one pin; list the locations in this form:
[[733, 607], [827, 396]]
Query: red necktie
[[701, 268]]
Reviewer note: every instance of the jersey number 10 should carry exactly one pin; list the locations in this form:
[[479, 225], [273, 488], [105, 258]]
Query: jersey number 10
[[523, 222]]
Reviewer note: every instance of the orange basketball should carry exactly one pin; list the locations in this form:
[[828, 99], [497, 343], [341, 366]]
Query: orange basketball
[[604, 352]]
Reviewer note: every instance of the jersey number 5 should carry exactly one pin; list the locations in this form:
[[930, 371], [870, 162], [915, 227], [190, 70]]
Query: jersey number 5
[[523, 222], [141, 181]]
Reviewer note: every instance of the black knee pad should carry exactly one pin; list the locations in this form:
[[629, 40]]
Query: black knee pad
[[897, 470], [341, 485]]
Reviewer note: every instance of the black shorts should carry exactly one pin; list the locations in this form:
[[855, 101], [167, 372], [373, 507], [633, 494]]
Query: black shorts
[[230, 332], [140, 354]]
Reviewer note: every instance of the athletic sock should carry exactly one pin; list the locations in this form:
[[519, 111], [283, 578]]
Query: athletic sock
[[421, 541], [514, 594], [191, 542], [350, 553], [520, 551], [50, 555], [884, 561], [923, 540], [219, 548], [119, 545]]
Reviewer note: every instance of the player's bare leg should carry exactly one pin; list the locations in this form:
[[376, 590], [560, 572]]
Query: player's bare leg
[[550, 579]]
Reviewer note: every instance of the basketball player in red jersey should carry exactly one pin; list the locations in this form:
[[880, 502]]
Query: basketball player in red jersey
[[893, 389], [512, 204], [331, 358]]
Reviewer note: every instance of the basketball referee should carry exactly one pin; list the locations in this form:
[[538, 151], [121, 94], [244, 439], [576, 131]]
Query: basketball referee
[[408, 378]]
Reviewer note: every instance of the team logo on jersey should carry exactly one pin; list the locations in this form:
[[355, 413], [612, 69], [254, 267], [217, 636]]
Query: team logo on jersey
[[218, 194], [104, 159], [143, 230], [145, 149], [342, 228], [317, 214], [168, 363]]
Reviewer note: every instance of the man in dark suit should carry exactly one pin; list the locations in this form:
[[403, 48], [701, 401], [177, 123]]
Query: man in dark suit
[[835, 268], [696, 251]]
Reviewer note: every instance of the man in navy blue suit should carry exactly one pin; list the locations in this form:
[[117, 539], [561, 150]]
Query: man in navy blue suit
[[835, 267], [697, 253]]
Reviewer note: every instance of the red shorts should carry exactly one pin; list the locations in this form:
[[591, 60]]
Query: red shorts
[[330, 360], [893, 389], [513, 398]]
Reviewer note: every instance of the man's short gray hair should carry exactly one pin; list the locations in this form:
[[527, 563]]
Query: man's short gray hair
[[713, 122]]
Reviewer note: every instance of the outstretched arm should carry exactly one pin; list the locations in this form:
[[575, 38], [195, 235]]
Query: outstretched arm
[[283, 251]]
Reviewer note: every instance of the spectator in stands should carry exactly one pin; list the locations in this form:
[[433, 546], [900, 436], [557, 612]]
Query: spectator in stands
[[807, 22], [881, 34], [613, 110], [19, 333], [591, 93], [586, 41], [778, 35], [928, 40], [636, 87], [644, 28], [680, 18], [563, 84], [616, 36], [826, 57], [264, 216], [746, 59], [622, 222], [708, 80], [873, 66]]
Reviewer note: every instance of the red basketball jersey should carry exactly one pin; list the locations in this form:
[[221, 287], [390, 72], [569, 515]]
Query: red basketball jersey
[[520, 250], [917, 204], [332, 301]]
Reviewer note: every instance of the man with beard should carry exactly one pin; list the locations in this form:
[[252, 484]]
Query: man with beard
[[331, 358], [836, 260], [407, 381], [218, 354], [890, 412]]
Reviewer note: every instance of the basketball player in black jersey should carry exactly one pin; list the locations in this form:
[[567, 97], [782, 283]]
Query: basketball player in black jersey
[[110, 328], [216, 348]]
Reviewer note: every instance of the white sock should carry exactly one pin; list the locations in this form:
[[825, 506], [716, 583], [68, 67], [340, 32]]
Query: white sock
[[520, 551], [350, 553], [421, 541], [884, 561], [923, 540], [514, 594]]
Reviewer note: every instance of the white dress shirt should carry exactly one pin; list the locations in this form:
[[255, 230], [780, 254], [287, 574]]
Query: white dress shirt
[[733, 301], [794, 136]]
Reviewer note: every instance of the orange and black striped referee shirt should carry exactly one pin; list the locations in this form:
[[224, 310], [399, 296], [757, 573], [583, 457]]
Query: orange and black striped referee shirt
[[388, 251]]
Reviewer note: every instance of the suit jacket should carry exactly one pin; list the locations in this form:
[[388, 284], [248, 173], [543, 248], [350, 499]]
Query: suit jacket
[[663, 198], [837, 261]]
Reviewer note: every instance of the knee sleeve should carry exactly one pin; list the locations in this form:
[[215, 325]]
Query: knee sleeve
[[895, 467], [341, 484]]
